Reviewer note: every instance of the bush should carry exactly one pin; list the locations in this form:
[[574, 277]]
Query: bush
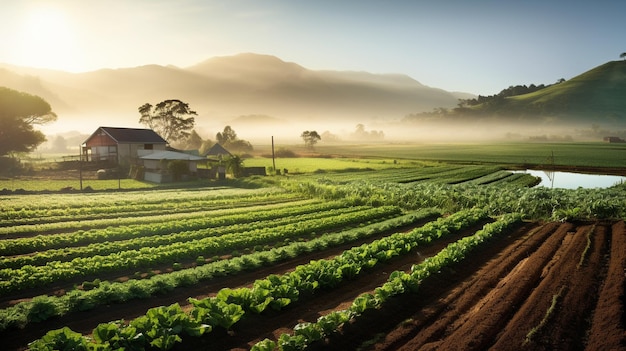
[[178, 168], [10, 166], [285, 153]]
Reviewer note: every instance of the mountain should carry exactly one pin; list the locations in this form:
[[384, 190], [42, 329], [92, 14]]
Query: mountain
[[221, 89], [596, 95]]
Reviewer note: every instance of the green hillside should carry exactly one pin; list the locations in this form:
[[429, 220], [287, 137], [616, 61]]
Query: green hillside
[[598, 94]]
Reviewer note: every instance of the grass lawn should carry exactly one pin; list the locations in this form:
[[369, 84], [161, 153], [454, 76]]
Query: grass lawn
[[58, 184]]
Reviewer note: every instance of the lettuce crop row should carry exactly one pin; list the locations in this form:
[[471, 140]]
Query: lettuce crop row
[[176, 195], [32, 276], [533, 203], [399, 282], [159, 238], [16, 215], [163, 327], [125, 232], [76, 225], [43, 307]]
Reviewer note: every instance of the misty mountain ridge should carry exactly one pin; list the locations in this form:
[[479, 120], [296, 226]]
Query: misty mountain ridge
[[223, 88], [261, 95], [595, 96]]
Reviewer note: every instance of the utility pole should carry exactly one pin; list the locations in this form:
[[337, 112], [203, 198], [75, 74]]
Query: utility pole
[[80, 166], [273, 157]]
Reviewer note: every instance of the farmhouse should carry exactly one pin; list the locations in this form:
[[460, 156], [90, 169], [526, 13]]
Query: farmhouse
[[120, 145]]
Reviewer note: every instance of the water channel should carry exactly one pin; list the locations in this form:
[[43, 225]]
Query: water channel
[[568, 180]]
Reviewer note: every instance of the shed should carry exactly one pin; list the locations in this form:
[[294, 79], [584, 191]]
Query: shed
[[153, 163], [120, 145], [218, 150]]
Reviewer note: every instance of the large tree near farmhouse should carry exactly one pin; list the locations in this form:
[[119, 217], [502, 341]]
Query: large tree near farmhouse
[[172, 119], [19, 112]]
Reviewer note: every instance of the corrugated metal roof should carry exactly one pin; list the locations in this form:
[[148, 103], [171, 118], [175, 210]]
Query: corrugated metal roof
[[171, 155], [134, 135]]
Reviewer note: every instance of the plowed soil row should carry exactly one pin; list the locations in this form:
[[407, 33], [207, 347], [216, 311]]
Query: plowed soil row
[[559, 286]]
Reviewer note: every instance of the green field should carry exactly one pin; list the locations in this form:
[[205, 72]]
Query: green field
[[387, 156], [544, 154], [320, 164]]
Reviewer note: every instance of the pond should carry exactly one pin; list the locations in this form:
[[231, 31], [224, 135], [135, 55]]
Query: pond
[[568, 180]]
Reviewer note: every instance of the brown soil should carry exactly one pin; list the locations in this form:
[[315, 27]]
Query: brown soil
[[490, 301], [493, 302]]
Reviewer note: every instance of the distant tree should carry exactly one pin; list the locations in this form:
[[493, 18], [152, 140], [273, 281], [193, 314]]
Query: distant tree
[[59, 144], [226, 136], [19, 112], [310, 138], [170, 119], [327, 136], [239, 146], [361, 134], [192, 142], [228, 139], [623, 55]]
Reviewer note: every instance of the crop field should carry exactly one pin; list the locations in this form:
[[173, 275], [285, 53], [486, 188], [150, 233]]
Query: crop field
[[596, 155], [424, 256]]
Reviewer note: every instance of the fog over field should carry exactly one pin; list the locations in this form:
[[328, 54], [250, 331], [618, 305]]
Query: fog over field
[[261, 96]]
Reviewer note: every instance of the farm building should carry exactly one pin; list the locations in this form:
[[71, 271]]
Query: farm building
[[155, 164], [218, 151], [120, 145]]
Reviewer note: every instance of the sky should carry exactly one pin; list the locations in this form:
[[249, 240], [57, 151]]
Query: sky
[[479, 47]]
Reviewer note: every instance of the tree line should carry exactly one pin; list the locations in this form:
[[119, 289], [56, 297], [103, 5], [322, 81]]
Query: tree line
[[486, 105]]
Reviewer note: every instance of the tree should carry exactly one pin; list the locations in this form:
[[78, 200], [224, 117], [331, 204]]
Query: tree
[[623, 55], [228, 139], [170, 119], [362, 134], [19, 112], [192, 142], [310, 138], [59, 144], [234, 164], [227, 136]]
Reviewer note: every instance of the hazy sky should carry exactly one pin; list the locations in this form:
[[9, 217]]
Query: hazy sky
[[480, 46]]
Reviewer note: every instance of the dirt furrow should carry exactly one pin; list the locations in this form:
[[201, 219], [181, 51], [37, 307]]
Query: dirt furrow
[[463, 297], [564, 284], [609, 319], [477, 329]]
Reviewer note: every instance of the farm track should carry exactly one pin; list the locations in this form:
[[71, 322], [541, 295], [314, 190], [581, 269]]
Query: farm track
[[496, 297]]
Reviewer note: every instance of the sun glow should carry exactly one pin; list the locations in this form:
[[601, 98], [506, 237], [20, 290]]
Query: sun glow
[[47, 40]]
